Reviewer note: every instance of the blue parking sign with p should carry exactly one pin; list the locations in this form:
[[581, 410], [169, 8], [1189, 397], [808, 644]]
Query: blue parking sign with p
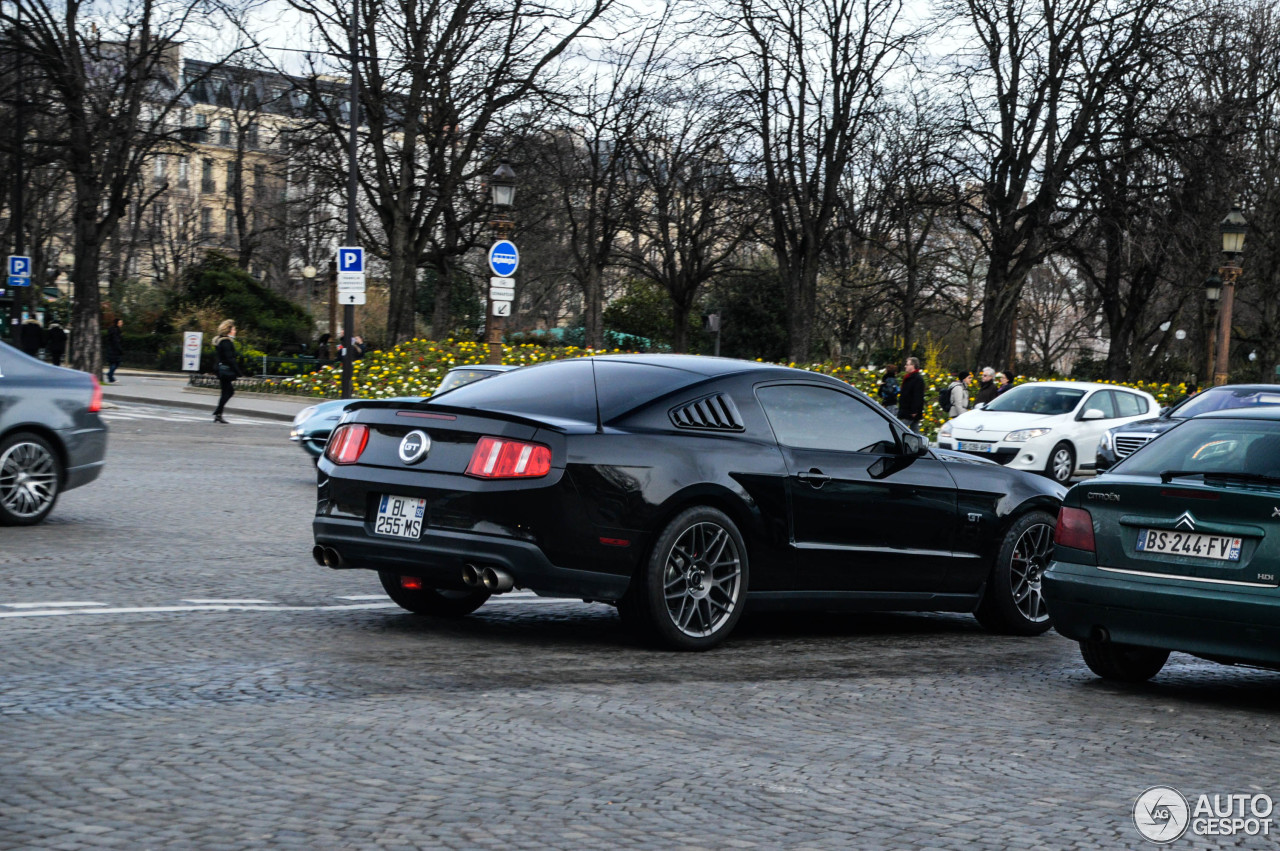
[[350, 259], [19, 270]]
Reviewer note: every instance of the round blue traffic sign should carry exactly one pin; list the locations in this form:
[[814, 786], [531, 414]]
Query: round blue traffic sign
[[504, 258]]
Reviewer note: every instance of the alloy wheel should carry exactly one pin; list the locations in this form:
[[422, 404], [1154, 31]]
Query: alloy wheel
[[1062, 465], [1030, 558], [702, 579], [28, 479]]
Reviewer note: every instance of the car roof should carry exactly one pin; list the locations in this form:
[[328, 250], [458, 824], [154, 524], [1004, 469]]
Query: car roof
[[1256, 412], [1252, 388], [699, 364], [1079, 385]]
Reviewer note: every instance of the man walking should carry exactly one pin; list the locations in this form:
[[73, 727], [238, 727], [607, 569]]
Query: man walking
[[911, 396]]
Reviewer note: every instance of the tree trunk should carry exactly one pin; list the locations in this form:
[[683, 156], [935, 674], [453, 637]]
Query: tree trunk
[[440, 312], [802, 290], [593, 308], [86, 308], [403, 275]]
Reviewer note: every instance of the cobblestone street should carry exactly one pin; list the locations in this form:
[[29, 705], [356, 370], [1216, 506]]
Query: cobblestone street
[[179, 674]]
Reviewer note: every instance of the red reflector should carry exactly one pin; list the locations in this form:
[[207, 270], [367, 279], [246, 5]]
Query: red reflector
[[95, 402], [499, 458], [1075, 529], [346, 443], [1188, 494], [615, 542], [425, 415], [411, 583]]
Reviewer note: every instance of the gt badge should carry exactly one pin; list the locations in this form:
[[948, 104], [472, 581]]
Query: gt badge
[[414, 447], [1275, 513]]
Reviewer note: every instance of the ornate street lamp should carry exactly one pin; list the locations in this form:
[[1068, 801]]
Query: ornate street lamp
[[1233, 228], [503, 187]]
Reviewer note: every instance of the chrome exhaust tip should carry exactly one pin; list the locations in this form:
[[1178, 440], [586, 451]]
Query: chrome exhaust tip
[[332, 558], [497, 581], [471, 576], [317, 553]]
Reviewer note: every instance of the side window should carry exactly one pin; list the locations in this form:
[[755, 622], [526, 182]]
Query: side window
[[1103, 402], [807, 417], [1129, 405]]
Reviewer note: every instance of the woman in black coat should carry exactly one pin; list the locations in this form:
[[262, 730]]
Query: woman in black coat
[[224, 359], [114, 349]]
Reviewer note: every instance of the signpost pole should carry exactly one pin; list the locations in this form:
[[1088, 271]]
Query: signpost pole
[[353, 118]]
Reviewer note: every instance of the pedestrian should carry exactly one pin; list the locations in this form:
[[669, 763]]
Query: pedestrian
[[224, 359], [889, 389], [1002, 383], [322, 347], [31, 337], [56, 344], [357, 347], [115, 349], [958, 394], [987, 389], [911, 396]]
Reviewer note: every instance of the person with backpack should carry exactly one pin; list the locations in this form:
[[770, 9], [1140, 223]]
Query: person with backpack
[[889, 389], [954, 400]]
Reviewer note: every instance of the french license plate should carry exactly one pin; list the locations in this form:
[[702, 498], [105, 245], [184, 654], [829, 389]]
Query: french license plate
[[1220, 547], [399, 516], [966, 446]]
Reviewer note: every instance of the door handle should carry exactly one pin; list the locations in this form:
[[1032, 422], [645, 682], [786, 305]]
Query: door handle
[[814, 478]]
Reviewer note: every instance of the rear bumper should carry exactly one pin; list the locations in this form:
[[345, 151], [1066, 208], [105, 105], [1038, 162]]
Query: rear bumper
[[439, 555], [1223, 622], [86, 450]]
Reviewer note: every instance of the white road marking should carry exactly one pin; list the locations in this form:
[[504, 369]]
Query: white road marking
[[57, 605], [215, 602], [365, 597]]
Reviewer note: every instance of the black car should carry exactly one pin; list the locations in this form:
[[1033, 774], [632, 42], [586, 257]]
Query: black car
[[1122, 441], [51, 437], [681, 489]]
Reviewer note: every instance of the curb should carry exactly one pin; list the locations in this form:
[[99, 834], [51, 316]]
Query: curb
[[231, 408]]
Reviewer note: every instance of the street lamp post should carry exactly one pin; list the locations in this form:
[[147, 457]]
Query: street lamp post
[[1212, 292], [1233, 228], [502, 187], [309, 281]]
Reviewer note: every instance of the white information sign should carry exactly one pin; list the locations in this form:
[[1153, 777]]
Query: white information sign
[[351, 298], [502, 293], [351, 286], [191, 342], [502, 308], [351, 278]]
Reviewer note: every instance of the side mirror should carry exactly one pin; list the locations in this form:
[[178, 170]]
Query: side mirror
[[1164, 412], [913, 444], [1093, 414]]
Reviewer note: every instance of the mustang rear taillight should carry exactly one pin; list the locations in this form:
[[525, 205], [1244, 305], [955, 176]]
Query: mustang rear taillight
[[346, 444], [95, 401], [1075, 529], [499, 458]]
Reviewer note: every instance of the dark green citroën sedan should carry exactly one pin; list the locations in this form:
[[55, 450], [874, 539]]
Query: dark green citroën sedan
[[1176, 548]]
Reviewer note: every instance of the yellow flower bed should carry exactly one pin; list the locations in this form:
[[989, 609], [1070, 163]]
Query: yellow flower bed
[[416, 367]]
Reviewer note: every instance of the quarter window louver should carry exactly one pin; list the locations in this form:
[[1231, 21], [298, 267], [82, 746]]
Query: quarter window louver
[[712, 412]]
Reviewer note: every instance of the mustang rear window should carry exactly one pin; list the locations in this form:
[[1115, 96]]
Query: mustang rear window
[[566, 389]]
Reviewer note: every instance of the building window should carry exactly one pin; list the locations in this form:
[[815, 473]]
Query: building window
[[230, 225], [224, 132], [259, 181], [184, 172], [206, 177], [158, 214], [206, 222], [233, 177], [159, 168], [251, 136], [201, 134]]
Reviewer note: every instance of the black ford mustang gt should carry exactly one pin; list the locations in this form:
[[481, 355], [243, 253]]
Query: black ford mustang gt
[[681, 489]]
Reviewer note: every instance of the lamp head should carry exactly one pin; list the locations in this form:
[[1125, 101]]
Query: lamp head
[[503, 187], [1233, 227], [1213, 289]]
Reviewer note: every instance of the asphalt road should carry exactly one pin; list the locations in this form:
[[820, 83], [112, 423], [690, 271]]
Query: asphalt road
[[177, 673]]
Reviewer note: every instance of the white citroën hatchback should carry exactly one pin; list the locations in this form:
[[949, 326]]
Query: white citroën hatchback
[[1049, 427]]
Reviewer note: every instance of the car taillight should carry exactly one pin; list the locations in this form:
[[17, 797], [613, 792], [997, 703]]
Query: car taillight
[[1075, 529], [499, 458], [346, 443], [95, 401]]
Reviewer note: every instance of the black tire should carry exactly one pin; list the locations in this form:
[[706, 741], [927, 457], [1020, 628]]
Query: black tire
[[1125, 663], [693, 588], [1012, 603], [1061, 465], [437, 602], [31, 477]]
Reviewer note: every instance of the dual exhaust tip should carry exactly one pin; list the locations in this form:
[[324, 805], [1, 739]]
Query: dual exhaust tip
[[326, 556], [494, 579]]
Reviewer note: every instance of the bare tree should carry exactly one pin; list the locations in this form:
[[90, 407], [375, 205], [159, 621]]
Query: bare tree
[[114, 82], [810, 77], [1036, 77], [437, 78]]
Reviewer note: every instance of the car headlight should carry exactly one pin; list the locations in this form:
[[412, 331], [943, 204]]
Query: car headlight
[[1026, 434], [303, 414], [1105, 443], [945, 431]]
